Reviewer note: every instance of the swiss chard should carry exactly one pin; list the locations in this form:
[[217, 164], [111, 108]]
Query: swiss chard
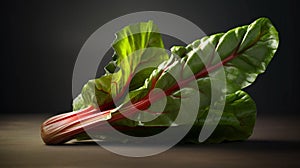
[[245, 52]]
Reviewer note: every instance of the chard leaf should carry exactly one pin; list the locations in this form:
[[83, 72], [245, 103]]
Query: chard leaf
[[236, 123], [244, 51], [136, 46]]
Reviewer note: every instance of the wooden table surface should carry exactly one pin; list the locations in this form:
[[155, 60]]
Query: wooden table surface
[[275, 143]]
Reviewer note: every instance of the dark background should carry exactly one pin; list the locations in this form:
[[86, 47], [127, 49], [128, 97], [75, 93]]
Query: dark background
[[43, 38]]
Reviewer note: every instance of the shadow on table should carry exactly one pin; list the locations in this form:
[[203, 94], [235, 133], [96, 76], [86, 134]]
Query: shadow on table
[[250, 145], [238, 145]]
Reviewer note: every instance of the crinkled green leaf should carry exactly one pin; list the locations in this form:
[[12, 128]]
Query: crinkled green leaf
[[136, 46], [239, 73], [253, 46], [236, 123]]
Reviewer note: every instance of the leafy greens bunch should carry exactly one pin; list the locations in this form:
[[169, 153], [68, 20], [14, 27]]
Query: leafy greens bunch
[[242, 53]]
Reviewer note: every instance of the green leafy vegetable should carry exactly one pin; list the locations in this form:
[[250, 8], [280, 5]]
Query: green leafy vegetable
[[236, 123], [130, 57], [244, 51]]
